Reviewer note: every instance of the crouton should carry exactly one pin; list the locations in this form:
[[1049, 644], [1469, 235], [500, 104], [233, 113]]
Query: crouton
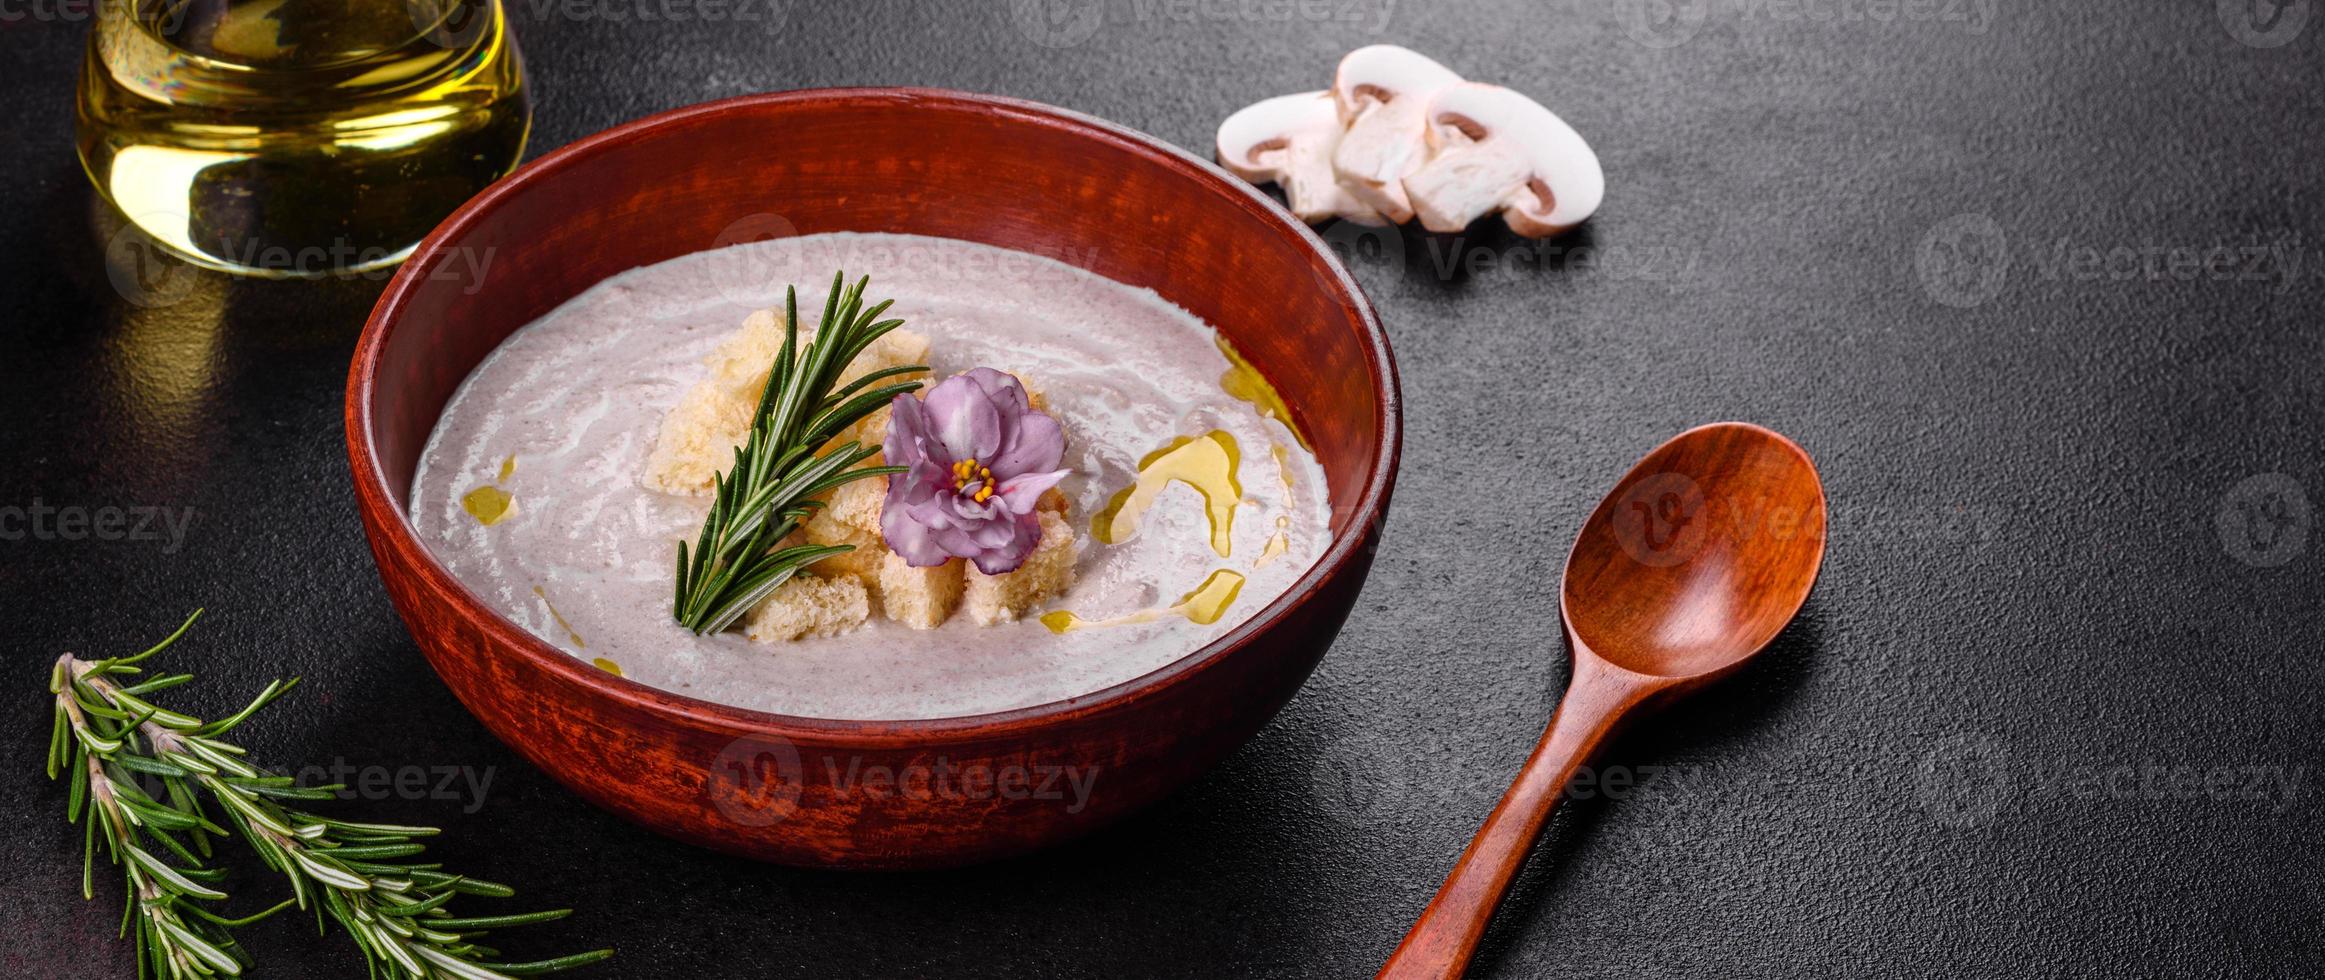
[[922, 598], [863, 563], [699, 436], [1046, 573], [806, 605], [857, 504]]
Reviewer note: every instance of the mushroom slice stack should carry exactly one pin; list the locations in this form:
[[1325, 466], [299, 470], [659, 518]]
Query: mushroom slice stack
[[1383, 92], [1289, 139], [1400, 136], [1492, 149]]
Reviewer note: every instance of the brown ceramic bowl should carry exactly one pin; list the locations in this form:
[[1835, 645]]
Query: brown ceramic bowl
[[1003, 172]]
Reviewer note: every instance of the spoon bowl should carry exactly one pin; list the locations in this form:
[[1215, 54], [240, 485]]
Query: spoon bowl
[[1691, 565], [1700, 555]]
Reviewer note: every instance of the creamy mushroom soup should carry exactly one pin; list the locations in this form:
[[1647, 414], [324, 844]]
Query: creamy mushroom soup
[[1196, 504]]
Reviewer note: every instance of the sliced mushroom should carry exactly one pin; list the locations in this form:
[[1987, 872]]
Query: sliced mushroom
[[1289, 139], [1383, 92], [1494, 149]]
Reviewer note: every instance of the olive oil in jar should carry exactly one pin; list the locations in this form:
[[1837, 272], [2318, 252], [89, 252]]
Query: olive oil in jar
[[287, 138]]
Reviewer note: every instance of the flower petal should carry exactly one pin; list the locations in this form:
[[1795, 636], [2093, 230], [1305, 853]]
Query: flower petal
[[910, 538], [964, 419], [1025, 535], [909, 440], [1037, 444], [1023, 493], [1001, 388]]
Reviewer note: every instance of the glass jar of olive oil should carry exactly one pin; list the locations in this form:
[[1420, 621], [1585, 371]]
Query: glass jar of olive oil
[[288, 138]]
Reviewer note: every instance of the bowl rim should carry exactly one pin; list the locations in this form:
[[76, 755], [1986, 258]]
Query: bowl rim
[[373, 495]]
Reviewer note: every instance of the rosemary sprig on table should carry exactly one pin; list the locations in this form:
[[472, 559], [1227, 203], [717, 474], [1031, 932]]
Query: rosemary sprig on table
[[778, 473], [108, 735]]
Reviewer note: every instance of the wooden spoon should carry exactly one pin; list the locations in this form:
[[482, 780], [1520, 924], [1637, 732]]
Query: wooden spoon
[[1700, 555]]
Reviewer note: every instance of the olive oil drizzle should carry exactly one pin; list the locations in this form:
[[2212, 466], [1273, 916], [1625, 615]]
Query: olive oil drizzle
[[570, 633], [1207, 463], [1244, 381], [1203, 606], [490, 504]]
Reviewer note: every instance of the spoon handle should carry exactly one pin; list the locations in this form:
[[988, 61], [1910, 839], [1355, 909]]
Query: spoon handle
[[1446, 936]]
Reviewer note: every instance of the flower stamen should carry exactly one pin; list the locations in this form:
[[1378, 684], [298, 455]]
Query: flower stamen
[[969, 472]]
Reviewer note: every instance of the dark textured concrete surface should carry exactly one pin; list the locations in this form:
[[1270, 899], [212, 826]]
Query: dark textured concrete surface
[[2053, 712]]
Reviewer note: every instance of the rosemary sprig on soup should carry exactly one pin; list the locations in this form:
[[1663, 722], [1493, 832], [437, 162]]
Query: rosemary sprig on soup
[[779, 475], [1012, 482]]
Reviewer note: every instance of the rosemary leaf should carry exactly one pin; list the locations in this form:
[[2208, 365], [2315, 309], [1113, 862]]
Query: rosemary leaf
[[779, 473], [116, 748]]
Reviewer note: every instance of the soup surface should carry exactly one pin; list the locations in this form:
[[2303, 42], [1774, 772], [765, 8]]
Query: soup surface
[[1210, 507]]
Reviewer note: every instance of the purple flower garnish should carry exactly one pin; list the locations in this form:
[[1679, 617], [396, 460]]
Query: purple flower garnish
[[978, 458]]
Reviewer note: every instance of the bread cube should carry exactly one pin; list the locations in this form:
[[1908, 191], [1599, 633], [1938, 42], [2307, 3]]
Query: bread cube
[[862, 563], [806, 605], [697, 442], [1046, 573], [922, 598], [699, 436], [856, 504]]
